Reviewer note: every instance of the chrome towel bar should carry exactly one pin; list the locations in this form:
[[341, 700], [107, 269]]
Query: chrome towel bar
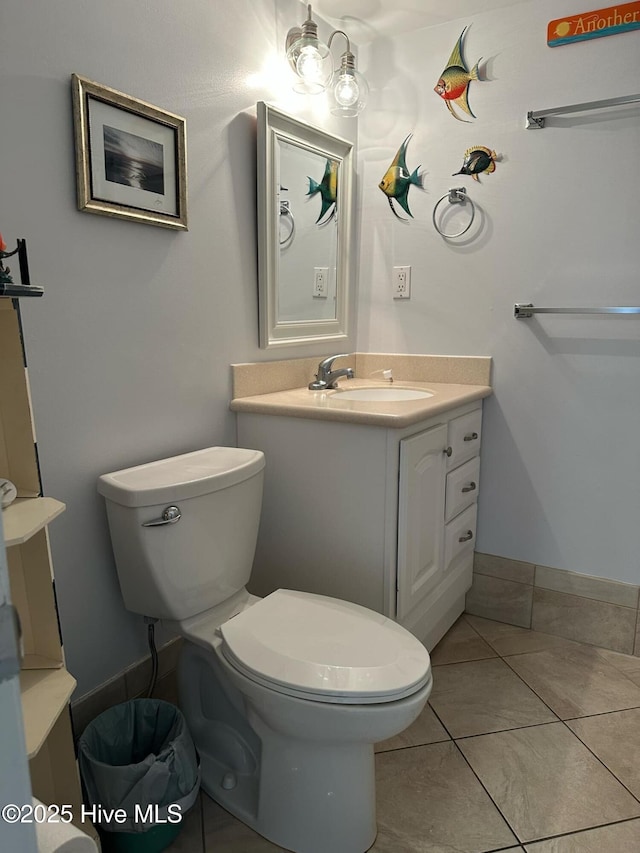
[[524, 310], [536, 118]]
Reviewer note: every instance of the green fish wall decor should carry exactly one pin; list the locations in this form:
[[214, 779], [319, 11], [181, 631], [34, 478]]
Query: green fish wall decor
[[453, 85], [477, 160], [397, 180], [328, 189]]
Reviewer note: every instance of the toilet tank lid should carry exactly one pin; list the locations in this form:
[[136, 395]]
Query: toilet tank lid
[[179, 477]]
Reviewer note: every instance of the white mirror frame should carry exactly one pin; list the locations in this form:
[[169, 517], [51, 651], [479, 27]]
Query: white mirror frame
[[274, 125]]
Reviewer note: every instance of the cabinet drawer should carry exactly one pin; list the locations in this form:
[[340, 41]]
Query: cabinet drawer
[[460, 535], [463, 438], [462, 487]]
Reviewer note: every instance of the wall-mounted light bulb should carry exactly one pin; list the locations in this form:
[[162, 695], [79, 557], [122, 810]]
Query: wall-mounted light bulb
[[309, 57], [309, 65], [346, 90], [350, 89]]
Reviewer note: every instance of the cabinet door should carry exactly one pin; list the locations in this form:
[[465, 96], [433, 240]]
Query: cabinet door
[[420, 516]]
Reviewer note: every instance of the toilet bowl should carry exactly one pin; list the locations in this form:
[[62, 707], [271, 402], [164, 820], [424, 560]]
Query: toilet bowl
[[284, 696]]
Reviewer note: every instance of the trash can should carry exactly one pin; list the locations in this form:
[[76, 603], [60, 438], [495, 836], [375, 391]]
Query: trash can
[[140, 775]]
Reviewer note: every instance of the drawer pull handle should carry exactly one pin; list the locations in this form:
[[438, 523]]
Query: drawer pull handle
[[470, 488], [468, 535], [448, 451], [471, 436]]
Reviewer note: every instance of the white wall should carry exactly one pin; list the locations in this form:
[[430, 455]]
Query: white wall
[[561, 468], [129, 350]]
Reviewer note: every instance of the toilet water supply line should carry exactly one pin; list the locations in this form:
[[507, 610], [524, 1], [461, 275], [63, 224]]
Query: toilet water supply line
[[150, 622]]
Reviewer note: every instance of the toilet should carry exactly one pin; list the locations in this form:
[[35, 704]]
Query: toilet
[[285, 696]]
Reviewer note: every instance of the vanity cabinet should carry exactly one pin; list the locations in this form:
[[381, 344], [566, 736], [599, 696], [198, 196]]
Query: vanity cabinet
[[380, 516], [45, 684]]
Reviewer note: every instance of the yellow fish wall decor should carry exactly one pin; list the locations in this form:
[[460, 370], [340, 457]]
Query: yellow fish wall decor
[[477, 160], [453, 85], [328, 189], [397, 180]]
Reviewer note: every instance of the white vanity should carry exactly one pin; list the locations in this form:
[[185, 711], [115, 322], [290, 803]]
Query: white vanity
[[373, 502]]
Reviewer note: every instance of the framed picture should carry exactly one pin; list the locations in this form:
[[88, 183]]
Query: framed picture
[[131, 159]]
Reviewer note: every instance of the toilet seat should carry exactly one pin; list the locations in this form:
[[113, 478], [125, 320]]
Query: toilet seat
[[325, 650]]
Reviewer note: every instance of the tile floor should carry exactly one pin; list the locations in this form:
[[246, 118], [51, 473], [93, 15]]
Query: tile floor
[[529, 743]]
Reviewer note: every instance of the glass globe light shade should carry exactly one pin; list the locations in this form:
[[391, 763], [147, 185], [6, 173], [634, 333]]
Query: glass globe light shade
[[312, 63], [350, 92]]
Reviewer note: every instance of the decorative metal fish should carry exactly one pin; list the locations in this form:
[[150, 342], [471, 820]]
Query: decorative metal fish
[[477, 160], [397, 180], [328, 189], [453, 85]]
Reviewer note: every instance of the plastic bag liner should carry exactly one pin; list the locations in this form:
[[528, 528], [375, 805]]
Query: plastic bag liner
[[135, 755]]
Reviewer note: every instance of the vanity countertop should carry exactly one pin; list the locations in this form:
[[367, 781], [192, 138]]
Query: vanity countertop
[[327, 405]]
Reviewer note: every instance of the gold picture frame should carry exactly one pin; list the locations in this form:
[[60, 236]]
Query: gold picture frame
[[131, 157]]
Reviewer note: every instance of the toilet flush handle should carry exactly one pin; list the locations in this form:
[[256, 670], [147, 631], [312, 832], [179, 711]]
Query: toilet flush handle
[[169, 516]]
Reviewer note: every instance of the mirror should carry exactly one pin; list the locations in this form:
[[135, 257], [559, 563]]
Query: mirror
[[305, 197]]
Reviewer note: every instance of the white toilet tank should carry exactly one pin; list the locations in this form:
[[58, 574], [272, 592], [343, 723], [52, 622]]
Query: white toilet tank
[[178, 569]]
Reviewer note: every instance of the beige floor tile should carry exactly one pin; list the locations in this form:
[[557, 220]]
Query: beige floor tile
[[167, 688], [546, 782], [191, 839], [617, 838], [586, 586], [584, 619], [629, 664], [503, 567], [461, 643], [426, 729], [615, 739], [429, 801], [484, 696], [511, 640], [576, 681], [223, 833], [495, 598]]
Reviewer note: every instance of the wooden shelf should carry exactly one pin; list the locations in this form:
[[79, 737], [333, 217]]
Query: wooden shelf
[[45, 685], [26, 516], [34, 661], [45, 694]]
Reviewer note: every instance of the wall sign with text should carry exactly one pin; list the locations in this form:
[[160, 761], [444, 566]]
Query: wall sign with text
[[595, 24]]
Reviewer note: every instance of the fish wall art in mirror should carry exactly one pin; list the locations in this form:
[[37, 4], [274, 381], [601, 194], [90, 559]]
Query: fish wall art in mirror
[[453, 85], [398, 180], [328, 191]]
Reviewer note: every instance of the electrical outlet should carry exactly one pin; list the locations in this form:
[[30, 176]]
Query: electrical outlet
[[320, 282], [401, 282]]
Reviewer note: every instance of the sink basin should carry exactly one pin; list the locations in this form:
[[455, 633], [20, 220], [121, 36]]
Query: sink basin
[[388, 394]]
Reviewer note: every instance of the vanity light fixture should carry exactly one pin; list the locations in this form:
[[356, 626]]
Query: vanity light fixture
[[311, 60]]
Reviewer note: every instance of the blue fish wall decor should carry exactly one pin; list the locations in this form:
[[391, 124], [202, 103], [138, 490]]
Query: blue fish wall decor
[[328, 191], [397, 180]]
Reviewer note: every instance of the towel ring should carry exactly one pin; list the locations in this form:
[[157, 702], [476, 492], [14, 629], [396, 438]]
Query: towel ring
[[455, 196], [287, 215]]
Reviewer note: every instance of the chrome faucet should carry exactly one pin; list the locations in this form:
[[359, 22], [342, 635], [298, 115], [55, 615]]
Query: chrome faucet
[[327, 378]]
